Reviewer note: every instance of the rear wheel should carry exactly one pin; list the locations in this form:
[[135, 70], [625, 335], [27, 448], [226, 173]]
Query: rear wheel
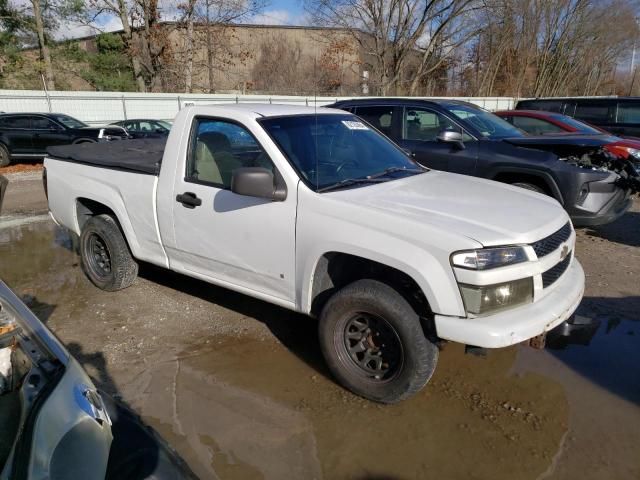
[[5, 158], [105, 255], [374, 344]]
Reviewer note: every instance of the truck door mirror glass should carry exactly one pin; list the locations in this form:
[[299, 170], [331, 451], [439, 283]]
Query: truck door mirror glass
[[256, 182], [448, 136]]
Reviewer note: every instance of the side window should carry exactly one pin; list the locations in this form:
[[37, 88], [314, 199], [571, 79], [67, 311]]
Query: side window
[[507, 119], [425, 125], [146, 127], [592, 111], [218, 147], [628, 112], [535, 126], [380, 117], [42, 123], [19, 122]]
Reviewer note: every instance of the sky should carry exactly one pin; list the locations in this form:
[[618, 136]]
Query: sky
[[278, 12]]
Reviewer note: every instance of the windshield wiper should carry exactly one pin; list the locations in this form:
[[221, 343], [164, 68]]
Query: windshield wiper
[[350, 181], [374, 178], [389, 170]]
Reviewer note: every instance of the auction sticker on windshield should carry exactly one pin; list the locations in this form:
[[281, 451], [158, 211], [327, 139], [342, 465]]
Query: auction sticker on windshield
[[352, 125]]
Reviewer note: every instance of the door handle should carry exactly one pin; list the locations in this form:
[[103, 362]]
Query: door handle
[[189, 200]]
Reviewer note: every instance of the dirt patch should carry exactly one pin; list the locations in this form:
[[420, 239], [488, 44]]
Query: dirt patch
[[21, 168]]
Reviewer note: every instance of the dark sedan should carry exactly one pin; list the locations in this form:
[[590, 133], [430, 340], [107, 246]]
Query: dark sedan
[[145, 128], [593, 185], [28, 135]]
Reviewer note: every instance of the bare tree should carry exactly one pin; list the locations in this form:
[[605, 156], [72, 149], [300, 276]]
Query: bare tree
[[393, 33], [45, 56]]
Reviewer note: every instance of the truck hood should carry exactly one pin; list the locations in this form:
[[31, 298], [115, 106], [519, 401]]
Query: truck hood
[[488, 212]]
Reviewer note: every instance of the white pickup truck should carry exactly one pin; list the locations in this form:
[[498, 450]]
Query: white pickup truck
[[316, 211]]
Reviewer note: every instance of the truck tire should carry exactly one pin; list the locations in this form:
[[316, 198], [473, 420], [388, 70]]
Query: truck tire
[[529, 186], [373, 343], [5, 158], [105, 256]]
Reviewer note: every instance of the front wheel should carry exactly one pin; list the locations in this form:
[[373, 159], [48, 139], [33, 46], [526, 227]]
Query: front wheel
[[105, 255], [373, 342]]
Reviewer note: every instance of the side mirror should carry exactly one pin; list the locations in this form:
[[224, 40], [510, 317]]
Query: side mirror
[[256, 182], [454, 138]]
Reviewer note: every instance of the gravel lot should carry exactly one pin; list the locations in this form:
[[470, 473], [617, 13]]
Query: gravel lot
[[239, 387]]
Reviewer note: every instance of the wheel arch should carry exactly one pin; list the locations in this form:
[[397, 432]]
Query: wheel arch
[[83, 140], [87, 208], [335, 269], [543, 180]]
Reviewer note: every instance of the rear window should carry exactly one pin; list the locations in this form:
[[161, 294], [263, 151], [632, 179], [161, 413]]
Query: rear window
[[547, 105]]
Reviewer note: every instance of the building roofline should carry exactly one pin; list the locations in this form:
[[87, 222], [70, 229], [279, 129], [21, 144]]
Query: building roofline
[[236, 25]]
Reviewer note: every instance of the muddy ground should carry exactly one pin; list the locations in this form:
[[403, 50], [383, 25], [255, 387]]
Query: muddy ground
[[239, 387]]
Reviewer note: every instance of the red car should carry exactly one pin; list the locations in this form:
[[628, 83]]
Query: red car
[[536, 122]]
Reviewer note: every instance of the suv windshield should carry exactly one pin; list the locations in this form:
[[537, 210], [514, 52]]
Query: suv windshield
[[487, 124], [337, 150], [69, 122]]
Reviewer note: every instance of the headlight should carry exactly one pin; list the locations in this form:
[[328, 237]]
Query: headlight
[[482, 300], [485, 258]]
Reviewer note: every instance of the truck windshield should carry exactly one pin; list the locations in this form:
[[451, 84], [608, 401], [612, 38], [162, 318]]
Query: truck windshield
[[338, 150], [487, 124]]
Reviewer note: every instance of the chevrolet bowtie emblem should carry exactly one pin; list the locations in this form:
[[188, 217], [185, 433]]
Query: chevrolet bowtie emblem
[[564, 252]]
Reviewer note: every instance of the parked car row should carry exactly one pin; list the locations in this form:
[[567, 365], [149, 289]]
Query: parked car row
[[616, 115], [28, 135], [595, 185], [537, 122]]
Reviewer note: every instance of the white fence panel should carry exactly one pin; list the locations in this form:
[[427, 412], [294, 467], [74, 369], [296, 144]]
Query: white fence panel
[[100, 108]]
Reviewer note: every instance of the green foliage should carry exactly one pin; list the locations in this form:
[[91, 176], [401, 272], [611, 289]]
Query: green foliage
[[109, 69], [110, 43]]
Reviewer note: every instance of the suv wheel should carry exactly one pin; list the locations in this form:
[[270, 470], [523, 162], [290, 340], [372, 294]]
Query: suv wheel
[[5, 158], [105, 255], [373, 342]]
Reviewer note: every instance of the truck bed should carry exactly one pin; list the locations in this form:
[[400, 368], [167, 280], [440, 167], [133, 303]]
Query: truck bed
[[141, 156]]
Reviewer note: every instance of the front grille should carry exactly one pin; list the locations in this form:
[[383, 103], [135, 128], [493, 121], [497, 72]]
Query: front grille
[[555, 272], [549, 244]]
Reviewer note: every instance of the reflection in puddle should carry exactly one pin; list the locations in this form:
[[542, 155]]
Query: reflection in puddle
[[263, 409]]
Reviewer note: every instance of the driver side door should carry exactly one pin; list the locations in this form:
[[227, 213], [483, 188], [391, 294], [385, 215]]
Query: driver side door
[[420, 129], [245, 243]]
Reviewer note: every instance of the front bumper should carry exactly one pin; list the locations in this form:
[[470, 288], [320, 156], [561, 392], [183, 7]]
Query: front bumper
[[521, 323], [605, 203]]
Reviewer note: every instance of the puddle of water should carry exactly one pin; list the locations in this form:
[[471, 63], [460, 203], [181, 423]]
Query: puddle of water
[[262, 409], [601, 379]]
